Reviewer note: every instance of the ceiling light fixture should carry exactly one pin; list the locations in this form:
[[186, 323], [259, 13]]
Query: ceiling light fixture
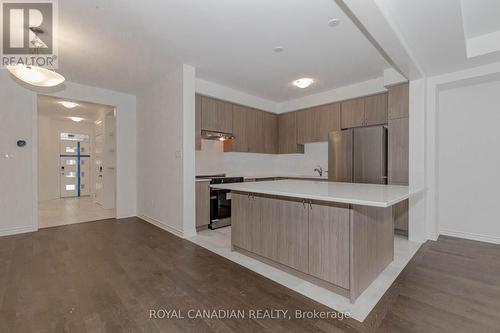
[[303, 83], [333, 23], [69, 105], [76, 119], [36, 76], [279, 49]]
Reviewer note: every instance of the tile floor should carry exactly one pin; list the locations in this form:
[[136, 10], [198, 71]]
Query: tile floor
[[219, 242], [65, 211]]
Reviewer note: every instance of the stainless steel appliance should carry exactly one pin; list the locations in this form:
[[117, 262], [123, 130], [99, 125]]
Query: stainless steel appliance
[[220, 201], [358, 155]]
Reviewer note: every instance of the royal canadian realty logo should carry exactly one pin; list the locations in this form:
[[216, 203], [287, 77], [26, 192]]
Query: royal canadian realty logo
[[29, 33]]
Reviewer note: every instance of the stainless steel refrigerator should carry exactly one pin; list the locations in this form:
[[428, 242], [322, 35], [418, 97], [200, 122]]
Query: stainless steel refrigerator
[[358, 155]]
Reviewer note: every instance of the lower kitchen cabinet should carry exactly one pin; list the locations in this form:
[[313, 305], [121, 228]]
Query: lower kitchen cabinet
[[246, 222], [202, 204], [338, 246], [293, 241], [329, 243]]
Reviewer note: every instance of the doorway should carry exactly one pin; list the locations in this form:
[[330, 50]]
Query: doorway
[[76, 161]]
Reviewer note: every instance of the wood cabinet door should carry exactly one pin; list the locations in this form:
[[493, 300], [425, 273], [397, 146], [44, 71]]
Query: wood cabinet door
[[293, 237], [202, 204], [198, 122], [216, 115], [270, 127], [245, 222], [399, 101], [398, 150], [376, 109], [353, 113], [271, 211], [287, 134], [240, 129], [329, 120], [307, 125], [329, 243], [255, 130]]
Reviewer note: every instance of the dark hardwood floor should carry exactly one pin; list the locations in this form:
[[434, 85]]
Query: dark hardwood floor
[[106, 277]]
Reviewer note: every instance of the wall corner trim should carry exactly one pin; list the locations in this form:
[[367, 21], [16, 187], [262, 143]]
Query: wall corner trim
[[164, 226]]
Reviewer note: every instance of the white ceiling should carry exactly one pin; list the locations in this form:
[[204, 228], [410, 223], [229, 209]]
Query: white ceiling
[[434, 31], [122, 44], [51, 107], [480, 17]]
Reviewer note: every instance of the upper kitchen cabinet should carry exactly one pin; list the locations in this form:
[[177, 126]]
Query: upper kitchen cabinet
[[216, 115], [198, 123], [254, 131], [240, 131], [365, 111], [399, 101], [314, 124], [287, 134], [270, 135], [353, 113], [376, 109]]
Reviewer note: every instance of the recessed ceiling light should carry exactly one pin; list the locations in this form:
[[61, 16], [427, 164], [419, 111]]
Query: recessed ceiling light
[[303, 83], [279, 49], [68, 105], [76, 119], [333, 23]]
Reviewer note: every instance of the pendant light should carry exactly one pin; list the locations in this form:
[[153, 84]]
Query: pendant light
[[35, 75]]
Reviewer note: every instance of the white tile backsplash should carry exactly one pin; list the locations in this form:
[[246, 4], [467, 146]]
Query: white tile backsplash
[[212, 159]]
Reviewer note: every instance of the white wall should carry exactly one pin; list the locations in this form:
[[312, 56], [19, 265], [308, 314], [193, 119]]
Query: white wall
[[435, 87], [212, 159], [18, 175], [468, 175], [48, 153], [17, 120], [160, 149]]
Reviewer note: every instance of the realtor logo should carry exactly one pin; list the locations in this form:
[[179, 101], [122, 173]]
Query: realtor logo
[[29, 33]]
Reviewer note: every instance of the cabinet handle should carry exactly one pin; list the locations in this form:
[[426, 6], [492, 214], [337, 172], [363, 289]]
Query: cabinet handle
[[304, 203], [310, 205]]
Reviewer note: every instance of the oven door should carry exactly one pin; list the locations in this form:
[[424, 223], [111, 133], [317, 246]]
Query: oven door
[[220, 208]]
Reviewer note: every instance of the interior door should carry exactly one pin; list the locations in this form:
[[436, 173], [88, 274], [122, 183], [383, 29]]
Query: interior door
[[370, 155]]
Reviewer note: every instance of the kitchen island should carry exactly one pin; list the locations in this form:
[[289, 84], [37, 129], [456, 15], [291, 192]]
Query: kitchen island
[[336, 235]]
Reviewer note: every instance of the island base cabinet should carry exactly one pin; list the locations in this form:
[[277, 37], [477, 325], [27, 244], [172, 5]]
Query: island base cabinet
[[329, 243], [337, 246], [246, 222], [372, 245], [293, 234]]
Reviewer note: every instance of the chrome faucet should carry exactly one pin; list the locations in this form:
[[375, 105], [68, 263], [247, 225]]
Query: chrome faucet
[[319, 170]]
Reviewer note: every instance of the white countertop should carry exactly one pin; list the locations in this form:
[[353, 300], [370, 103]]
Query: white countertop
[[349, 193]]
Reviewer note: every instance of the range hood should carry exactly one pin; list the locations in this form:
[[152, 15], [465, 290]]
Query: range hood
[[210, 135]]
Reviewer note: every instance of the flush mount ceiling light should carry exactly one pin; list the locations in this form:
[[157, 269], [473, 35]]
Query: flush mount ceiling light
[[76, 119], [303, 83], [68, 105], [278, 49], [36, 76], [333, 23]]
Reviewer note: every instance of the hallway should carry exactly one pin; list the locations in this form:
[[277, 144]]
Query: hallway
[[57, 212]]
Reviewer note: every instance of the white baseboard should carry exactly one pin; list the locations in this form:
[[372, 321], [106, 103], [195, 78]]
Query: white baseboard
[[471, 236], [17, 230], [162, 225]]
